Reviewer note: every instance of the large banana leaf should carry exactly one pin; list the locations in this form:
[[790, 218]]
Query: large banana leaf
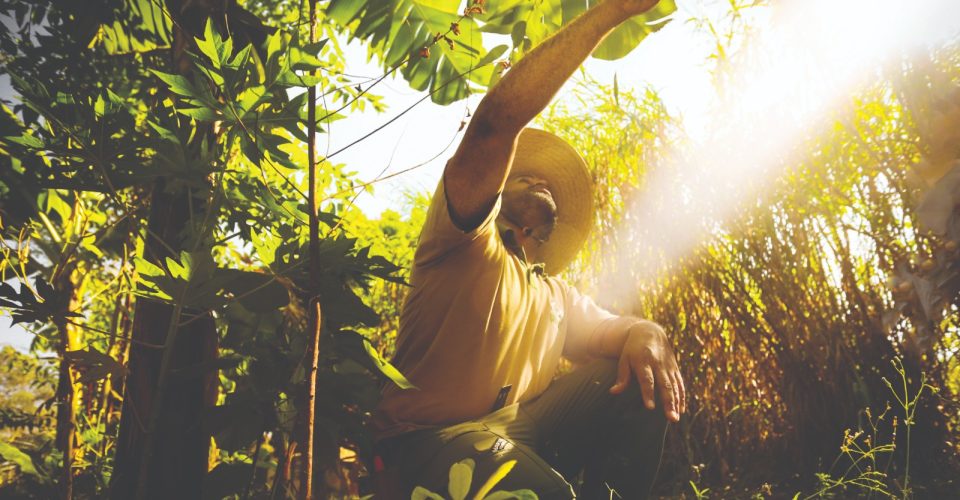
[[456, 62]]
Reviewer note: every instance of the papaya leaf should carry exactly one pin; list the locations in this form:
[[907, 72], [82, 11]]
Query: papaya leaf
[[52, 305], [211, 45], [94, 365], [201, 114], [178, 84]]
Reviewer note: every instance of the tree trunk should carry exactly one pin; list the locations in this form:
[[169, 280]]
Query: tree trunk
[[67, 389], [179, 461]]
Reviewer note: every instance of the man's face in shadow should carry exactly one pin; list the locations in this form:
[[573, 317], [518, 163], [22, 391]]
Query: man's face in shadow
[[529, 204]]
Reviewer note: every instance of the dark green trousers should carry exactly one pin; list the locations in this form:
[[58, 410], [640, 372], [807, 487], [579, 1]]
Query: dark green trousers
[[575, 439]]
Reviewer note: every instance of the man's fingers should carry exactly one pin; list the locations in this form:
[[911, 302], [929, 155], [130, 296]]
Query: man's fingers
[[667, 395], [683, 391], [647, 384], [677, 402], [623, 376]]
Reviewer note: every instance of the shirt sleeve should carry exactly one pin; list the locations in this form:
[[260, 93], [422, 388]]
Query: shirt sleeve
[[588, 325], [440, 236]]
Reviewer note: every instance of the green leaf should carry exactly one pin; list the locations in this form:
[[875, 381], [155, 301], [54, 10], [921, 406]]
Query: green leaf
[[251, 98], [511, 495], [421, 493], [291, 79], [13, 454], [142, 26], [177, 84], [182, 269], [518, 33], [90, 245], [491, 56], [56, 204], [51, 305], [461, 475], [164, 133], [400, 29], [304, 58], [265, 244], [28, 140], [210, 44], [570, 9], [496, 477], [275, 48], [144, 267], [628, 35], [360, 349], [201, 114], [240, 58], [388, 369], [94, 365], [98, 106]]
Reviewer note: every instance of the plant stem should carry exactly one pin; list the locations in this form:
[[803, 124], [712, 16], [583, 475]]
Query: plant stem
[[313, 347]]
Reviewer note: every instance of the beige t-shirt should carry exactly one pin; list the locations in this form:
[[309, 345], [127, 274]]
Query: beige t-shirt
[[479, 318]]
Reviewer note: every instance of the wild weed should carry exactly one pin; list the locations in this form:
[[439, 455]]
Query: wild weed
[[869, 457]]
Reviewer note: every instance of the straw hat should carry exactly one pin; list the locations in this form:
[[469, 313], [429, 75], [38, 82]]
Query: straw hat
[[547, 156]]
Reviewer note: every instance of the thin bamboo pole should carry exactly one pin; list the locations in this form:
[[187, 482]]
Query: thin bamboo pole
[[313, 353]]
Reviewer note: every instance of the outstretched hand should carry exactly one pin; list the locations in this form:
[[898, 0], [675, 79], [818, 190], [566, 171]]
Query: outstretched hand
[[648, 355]]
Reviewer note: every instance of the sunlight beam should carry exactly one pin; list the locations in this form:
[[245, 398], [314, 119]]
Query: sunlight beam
[[793, 77]]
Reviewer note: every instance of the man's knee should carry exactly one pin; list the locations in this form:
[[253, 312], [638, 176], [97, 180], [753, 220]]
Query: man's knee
[[603, 374]]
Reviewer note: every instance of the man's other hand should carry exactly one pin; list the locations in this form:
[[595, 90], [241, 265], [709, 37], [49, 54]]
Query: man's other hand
[[648, 355]]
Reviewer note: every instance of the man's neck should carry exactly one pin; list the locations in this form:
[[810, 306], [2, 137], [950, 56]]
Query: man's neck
[[509, 237]]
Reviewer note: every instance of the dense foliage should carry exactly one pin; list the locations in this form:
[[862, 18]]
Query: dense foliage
[[156, 240]]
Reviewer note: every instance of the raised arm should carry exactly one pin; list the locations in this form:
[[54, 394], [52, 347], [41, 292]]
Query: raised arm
[[476, 173]]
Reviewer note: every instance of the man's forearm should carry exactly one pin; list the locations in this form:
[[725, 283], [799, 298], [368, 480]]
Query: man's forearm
[[530, 85]]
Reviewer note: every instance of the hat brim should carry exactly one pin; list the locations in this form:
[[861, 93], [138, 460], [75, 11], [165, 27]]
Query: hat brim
[[549, 157]]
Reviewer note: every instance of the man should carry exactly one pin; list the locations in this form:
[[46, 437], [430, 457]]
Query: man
[[485, 324]]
